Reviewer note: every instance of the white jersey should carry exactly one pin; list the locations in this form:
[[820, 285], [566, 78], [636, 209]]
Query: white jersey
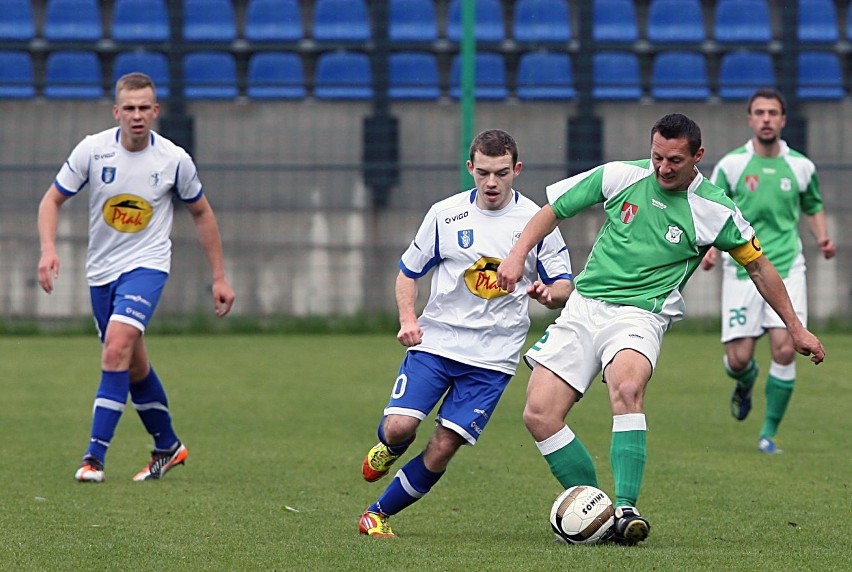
[[468, 318], [130, 201]]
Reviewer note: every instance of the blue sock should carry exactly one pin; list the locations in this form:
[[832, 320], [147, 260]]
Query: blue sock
[[396, 448], [149, 400], [409, 485], [109, 405]]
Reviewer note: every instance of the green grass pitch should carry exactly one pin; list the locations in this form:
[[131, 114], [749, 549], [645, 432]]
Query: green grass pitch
[[277, 427]]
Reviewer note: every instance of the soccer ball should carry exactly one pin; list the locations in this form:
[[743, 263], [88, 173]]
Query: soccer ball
[[582, 515]]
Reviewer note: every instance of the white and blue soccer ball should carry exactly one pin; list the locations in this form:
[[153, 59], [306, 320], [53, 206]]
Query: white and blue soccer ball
[[582, 515]]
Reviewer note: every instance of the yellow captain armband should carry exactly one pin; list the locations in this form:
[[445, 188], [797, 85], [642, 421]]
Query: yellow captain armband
[[748, 252]]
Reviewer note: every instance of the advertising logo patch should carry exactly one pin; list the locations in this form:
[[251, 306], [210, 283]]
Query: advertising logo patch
[[481, 278], [127, 213]]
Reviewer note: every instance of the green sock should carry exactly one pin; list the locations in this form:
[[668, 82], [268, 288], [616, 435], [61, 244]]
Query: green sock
[[572, 465], [745, 378], [627, 456], [778, 393]]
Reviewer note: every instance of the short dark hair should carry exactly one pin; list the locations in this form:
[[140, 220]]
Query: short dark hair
[[768, 93], [494, 143], [133, 81], [679, 126]]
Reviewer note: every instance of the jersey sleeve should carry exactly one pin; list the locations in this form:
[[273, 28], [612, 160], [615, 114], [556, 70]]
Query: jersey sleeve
[[74, 173], [737, 237], [188, 184], [554, 261], [423, 253], [574, 194], [810, 198], [720, 178]]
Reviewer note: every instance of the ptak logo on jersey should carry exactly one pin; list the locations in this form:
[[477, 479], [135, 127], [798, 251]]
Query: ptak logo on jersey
[[465, 238], [628, 212], [108, 175]]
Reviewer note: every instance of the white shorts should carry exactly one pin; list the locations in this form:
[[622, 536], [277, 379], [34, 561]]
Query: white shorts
[[745, 314], [588, 334]]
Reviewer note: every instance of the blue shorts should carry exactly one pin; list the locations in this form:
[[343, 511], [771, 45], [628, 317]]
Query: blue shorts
[[130, 299], [470, 393]]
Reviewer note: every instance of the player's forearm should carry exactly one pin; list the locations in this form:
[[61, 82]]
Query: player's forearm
[[48, 220], [772, 289], [406, 298], [559, 293], [540, 225], [818, 227], [207, 230]]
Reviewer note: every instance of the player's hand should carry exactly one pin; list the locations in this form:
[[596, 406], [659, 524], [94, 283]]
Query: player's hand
[[510, 272], [223, 297], [808, 344], [48, 270], [826, 246], [540, 292], [410, 334], [709, 260]]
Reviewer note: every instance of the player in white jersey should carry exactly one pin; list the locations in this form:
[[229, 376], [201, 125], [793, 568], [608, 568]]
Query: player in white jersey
[[661, 217], [465, 346], [772, 185], [133, 174]]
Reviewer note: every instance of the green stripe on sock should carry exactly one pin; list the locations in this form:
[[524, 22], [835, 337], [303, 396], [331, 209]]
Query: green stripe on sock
[[778, 393], [627, 457], [572, 465]]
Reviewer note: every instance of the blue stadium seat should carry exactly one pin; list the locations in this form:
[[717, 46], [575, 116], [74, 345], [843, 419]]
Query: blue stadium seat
[[343, 75], [488, 18], [539, 21], [414, 75], [209, 21], [820, 76], [545, 76], [210, 75], [616, 76], [412, 21], [73, 75], [154, 64], [341, 21], [742, 22], [276, 75], [17, 23], [16, 75], [676, 22], [680, 75], [614, 22], [849, 22], [140, 21], [73, 20], [818, 22], [489, 80], [273, 21], [741, 73]]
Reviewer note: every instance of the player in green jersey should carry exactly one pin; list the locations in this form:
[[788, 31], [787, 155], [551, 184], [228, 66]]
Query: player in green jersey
[[662, 216], [772, 185]]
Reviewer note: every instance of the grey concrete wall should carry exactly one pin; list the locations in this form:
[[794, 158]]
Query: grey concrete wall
[[299, 237]]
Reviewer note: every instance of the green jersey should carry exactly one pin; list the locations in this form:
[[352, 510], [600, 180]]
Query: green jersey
[[653, 239], [771, 192]]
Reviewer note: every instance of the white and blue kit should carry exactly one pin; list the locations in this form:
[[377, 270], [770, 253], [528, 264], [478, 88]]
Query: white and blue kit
[[130, 219], [473, 331]]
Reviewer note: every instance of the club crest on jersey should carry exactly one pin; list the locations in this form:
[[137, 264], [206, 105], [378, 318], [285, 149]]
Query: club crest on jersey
[[751, 182], [465, 238], [108, 175], [786, 184], [674, 234], [628, 212]]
